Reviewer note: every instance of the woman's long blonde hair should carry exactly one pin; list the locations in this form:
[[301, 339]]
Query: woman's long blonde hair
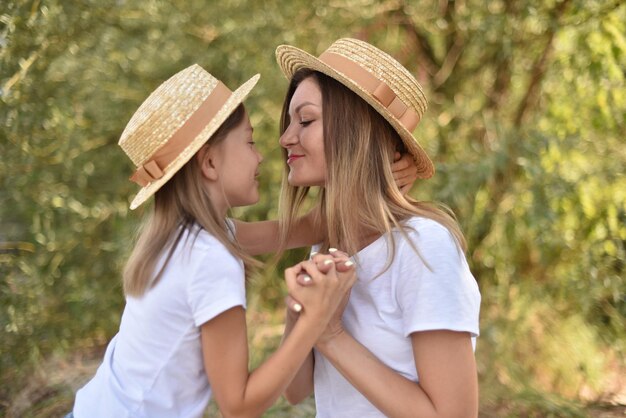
[[180, 203], [360, 195]]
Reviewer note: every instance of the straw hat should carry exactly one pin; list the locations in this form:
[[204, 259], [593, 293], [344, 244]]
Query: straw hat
[[173, 123], [375, 76]]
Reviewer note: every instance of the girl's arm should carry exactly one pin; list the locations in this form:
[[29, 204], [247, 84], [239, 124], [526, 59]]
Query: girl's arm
[[262, 237], [445, 364], [240, 393]]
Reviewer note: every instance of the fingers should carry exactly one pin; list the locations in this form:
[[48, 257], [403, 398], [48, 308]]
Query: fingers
[[405, 176], [323, 262], [343, 262], [400, 164], [407, 173], [317, 268], [340, 259], [304, 279], [293, 304], [404, 170], [298, 278]]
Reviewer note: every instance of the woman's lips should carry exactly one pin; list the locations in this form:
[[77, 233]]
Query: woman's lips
[[292, 158]]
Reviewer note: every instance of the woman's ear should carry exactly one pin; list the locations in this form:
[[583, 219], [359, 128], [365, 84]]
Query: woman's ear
[[208, 163]]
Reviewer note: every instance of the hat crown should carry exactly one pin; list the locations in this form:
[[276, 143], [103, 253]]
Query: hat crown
[[165, 111], [384, 67]]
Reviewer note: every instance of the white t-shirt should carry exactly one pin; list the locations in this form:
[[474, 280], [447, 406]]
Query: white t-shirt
[[383, 311], [154, 367]]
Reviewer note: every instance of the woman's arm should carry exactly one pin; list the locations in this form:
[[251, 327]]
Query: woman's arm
[[302, 384], [445, 365]]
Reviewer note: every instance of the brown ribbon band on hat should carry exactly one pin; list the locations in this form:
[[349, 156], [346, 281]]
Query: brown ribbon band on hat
[[376, 87], [152, 169]]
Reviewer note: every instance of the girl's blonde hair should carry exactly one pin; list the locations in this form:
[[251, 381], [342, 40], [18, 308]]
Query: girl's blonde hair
[[360, 195], [180, 203]]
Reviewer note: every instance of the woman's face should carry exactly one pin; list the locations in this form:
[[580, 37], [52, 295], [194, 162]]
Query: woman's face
[[304, 137]]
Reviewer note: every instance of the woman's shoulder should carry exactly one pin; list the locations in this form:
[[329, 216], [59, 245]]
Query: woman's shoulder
[[420, 226], [429, 237]]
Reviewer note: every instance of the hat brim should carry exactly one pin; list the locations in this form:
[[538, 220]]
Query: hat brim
[[291, 59], [236, 98]]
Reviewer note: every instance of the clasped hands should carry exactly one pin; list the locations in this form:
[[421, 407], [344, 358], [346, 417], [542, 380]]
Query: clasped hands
[[319, 289]]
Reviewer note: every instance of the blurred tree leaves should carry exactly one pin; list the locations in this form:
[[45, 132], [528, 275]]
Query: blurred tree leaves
[[526, 126]]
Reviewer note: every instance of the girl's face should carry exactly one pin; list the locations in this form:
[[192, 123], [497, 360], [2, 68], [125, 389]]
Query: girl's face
[[236, 162], [304, 137]]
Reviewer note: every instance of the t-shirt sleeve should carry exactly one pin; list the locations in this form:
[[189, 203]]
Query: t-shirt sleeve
[[441, 294], [218, 284]]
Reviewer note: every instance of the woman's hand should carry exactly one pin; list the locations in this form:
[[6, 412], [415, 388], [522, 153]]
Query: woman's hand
[[404, 171]]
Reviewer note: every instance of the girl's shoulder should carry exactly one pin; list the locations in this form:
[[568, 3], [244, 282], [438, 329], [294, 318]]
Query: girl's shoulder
[[205, 246]]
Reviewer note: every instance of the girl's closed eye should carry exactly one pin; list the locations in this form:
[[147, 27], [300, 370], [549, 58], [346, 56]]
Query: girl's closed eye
[[306, 122]]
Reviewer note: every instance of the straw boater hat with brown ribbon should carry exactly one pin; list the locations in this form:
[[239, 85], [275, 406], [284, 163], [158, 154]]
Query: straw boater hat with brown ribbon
[[173, 123], [375, 76]]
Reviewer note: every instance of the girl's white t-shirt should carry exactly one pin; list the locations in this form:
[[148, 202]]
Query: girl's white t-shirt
[[154, 366], [408, 297]]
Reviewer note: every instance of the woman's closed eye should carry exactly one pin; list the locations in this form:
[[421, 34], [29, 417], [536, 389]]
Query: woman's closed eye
[[306, 122]]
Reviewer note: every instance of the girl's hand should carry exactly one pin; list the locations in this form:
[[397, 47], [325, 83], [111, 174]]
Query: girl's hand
[[293, 306], [323, 287], [404, 171], [343, 264]]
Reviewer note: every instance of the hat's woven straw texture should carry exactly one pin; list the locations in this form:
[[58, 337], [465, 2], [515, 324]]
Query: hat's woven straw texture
[[382, 66], [165, 111]]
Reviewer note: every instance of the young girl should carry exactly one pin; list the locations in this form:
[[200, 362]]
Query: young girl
[[403, 347], [183, 334]]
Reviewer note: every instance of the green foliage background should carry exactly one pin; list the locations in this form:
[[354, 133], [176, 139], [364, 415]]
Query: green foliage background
[[526, 126]]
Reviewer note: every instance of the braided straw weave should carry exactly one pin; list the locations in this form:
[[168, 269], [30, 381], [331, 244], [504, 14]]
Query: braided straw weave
[[385, 69], [165, 111]]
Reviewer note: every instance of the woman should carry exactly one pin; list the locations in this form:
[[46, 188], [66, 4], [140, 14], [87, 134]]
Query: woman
[[404, 344]]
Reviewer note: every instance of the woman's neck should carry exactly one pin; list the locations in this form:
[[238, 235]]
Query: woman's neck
[[367, 236]]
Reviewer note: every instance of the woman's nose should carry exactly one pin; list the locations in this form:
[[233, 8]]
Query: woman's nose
[[288, 137]]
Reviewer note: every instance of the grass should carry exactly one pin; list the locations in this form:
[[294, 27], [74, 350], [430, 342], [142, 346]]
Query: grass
[[49, 390]]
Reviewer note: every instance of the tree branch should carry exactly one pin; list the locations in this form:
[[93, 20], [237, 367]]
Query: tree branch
[[420, 44], [539, 67], [504, 175]]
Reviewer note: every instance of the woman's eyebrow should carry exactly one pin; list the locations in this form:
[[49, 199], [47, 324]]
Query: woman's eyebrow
[[301, 105]]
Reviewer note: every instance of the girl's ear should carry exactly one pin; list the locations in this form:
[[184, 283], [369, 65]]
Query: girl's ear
[[207, 160]]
